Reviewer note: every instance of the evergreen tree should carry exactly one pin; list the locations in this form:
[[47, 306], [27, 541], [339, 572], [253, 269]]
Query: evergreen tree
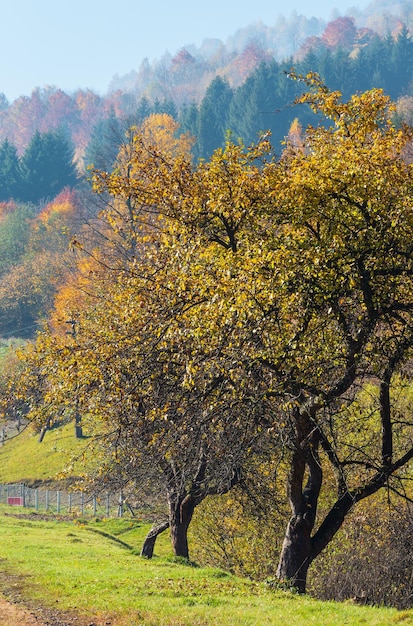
[[261, 104], [213, 117], [244, 116], [188, 123], [144, 109], [105, 139], [47, 166], [343, 73], [401, 60], [361, 77], [378, 68], [10, 177], [165, 106]]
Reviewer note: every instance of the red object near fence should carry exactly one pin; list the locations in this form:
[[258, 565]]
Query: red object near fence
[[15, 501]]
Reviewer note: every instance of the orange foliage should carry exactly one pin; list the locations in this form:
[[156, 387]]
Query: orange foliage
[[161, 130], [74, 294], [295, 140], [64, 204]]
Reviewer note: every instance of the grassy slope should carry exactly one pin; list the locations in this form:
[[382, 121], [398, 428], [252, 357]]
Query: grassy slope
[[67, 563], [23, 459]]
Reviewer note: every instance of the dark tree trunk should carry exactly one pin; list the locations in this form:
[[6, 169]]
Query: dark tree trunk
[[182, 502], [44, 430], [295, 556], [180, 515], [300, 547], [386, 422], [296, 553], [149, 543]]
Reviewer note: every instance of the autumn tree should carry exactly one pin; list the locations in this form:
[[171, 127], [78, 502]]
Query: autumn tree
[[347, 199], [155, 433], [255, 295], [162, 131], [250, 58], [340, 33], [155, 426], [320, 303], [36, 260]]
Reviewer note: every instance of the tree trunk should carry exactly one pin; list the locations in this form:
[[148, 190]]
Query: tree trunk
[[295, 556], [300, 546], [151, 537], [44, 431], [180, 515], [78, 424], [296, 553], [182, 501]]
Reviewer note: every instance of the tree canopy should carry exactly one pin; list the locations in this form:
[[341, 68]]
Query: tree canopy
[[246, 299]]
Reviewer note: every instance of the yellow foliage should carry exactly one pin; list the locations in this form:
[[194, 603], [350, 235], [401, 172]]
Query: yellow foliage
[[246, 298]]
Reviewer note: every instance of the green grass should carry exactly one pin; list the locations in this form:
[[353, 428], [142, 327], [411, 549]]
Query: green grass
[[24, 459], [65, 563], [94, 566]]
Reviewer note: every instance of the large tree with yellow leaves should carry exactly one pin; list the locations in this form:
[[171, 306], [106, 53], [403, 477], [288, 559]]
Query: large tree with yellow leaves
[[256, 297]]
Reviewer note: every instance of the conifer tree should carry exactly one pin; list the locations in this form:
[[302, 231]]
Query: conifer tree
[[47, 167], [213, 117], [10, 176]]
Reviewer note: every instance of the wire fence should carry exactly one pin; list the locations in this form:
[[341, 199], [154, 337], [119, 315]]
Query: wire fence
[[60, 502]]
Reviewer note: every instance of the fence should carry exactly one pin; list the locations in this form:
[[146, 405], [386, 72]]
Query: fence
[[59, 502]]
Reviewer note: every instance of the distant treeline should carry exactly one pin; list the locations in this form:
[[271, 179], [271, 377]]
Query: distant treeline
[[242, 87], [48, 140], [264, 101]]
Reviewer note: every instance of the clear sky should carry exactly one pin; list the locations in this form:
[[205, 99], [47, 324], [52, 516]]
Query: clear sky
[[84, 43]]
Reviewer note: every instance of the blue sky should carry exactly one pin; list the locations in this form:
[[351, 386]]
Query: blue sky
[[84, 43]]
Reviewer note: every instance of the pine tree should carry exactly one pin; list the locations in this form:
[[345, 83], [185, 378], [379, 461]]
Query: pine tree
[[47, 167], [103, 147], [213, 116], [10, 177]]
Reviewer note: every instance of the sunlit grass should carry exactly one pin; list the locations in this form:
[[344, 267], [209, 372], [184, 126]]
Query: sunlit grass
[[69, 565], [77, 565], [23, 458]]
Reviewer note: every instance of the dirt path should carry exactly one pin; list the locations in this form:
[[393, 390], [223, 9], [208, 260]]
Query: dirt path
[[12, 615], [16, 609]]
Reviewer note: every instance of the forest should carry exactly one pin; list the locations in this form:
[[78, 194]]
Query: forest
[[216, 291]]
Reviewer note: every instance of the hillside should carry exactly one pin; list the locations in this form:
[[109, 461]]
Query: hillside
[[77, 572], [181, 79], [24, 459], [223, 307]]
